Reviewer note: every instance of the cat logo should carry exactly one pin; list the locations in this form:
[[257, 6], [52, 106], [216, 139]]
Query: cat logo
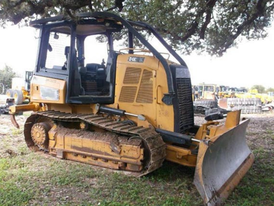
[[136, 59]]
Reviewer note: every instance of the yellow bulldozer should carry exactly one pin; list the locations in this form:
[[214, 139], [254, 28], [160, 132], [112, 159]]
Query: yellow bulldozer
[[130, 111], [210, 91]]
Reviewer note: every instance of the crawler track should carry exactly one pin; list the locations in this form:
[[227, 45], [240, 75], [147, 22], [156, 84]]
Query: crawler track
[[155, 148]]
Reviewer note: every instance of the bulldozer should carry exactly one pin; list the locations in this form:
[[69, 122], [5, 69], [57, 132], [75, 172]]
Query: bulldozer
[[129, 111]]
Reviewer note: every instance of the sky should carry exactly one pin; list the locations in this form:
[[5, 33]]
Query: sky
[[248, 64]]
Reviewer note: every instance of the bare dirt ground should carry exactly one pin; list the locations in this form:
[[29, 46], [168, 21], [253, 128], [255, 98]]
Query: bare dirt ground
[[9, 132]]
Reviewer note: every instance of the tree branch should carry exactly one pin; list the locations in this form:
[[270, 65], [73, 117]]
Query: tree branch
[[208, 10], [260, 6], [210, 5]]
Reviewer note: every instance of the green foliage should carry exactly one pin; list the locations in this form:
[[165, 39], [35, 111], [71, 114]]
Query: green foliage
[[270, 89], [211, 26], [260, 88], [6, 75], [208, 26]]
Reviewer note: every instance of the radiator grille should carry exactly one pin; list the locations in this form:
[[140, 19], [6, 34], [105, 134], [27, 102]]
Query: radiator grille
[[128, 94], [145, 94], [132, 75], [184, 95]]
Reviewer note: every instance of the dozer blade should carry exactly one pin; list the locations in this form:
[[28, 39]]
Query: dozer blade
[[221, 164]]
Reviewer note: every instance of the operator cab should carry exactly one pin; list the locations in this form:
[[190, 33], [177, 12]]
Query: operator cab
[[64, 53], [82, 54]]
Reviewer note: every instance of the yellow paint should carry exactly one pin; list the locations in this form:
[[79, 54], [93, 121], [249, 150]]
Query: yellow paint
[[55, 84], [157, 113], [69, 144], [24, 107], [180, 155], [210, 130]]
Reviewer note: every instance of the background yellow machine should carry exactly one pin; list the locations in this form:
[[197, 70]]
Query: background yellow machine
[[130, 109], [20, 90]]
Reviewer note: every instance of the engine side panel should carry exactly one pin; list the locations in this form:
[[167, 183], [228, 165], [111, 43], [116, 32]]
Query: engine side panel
[[140, 86]]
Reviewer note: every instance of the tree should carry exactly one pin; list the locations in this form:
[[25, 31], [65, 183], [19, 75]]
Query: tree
[[270, 89], [205, 25], [6, 75], [260, 88]]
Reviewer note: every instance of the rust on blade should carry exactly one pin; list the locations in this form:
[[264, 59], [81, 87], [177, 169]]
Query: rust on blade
[[234, 180], [14, 122]]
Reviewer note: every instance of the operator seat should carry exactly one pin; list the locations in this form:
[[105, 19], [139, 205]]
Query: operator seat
[[96, 73], [77, 88]]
